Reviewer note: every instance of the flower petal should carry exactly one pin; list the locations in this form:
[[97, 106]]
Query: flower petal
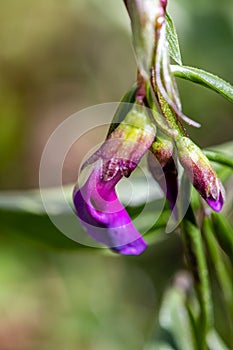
[[217, 204], [104, 217], [164, 170]]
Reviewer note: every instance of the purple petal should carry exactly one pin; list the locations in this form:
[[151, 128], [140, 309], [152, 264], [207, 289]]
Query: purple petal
[[104, 217], [217, 204], [133, 248], [164, 171], [171, 178]]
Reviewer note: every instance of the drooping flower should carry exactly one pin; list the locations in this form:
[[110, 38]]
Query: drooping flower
[[100, 211], [201, 173], [162, 165], [132, 133]]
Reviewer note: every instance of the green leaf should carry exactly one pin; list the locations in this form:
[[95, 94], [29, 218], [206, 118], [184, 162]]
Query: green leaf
[[223, 231], [206, 79], [225, 148], [30, 200], [215, 342], [219, 158], [174, 320], [222, 156], [193, 319], [173, 43], [35, 229], [23, 216]]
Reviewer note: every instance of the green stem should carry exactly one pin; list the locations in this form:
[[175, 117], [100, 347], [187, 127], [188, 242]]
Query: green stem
[[197, 262], [218, 263]]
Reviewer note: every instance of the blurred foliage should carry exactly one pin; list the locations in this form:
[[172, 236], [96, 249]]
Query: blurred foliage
[[57, 300], [57, 57]]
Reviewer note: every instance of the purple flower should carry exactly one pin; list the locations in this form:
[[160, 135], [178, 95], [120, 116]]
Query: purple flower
[[98, 208], [104, 217], [163, 168], [200, 172]]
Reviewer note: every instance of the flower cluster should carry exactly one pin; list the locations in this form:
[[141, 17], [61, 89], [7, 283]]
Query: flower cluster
[[157, 130]]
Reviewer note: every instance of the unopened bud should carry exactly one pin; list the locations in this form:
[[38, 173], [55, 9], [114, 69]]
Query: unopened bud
[[161, 156], [200, 173], [125, 145]]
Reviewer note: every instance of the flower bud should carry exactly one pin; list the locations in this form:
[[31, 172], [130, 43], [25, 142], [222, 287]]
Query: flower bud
[[126, 145], [163, 168], [200, 173]]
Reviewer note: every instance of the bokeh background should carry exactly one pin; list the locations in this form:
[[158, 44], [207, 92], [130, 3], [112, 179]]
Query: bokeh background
[[56, 58]]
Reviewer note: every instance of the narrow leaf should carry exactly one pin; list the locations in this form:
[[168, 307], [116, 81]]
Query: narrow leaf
[[173, 43], [215, 342], [174, 320], [223, 231], [35, 229], [206, 79], [23, 216], [220, 158], [193, 325]]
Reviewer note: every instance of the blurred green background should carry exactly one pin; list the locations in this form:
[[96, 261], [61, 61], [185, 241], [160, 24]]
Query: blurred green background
[[56, 58]]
